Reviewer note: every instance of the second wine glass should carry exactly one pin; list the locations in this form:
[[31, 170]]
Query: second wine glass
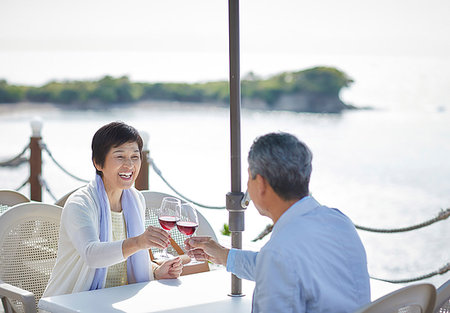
[[188, 222], [168, 216]]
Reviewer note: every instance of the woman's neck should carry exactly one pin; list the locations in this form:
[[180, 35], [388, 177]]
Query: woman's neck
[[114, 198]]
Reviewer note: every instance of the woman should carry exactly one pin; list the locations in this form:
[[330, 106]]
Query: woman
[[103, 242]]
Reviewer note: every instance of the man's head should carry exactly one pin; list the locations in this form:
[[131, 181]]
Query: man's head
[[284, 162]]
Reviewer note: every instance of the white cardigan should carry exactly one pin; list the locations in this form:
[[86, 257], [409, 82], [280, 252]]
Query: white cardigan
[[80, 251]]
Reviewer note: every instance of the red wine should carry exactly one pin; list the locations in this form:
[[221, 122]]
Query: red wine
[[187, 228], [167, 222]]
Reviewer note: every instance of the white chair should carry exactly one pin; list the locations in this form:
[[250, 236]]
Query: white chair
[[29, 235], [9, 198], [443, 298], [62, 201], [153, 201], [417, 298]]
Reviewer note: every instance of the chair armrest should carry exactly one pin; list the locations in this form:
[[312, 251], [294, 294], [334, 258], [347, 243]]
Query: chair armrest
[[16, 293]]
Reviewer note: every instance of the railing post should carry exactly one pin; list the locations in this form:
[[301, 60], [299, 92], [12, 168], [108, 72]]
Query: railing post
[[35, 160], [142, 179]]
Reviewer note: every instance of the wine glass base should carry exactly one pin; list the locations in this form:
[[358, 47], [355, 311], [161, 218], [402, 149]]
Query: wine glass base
[[162, 256]]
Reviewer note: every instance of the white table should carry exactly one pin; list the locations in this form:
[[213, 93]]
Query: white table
[[202, 292]]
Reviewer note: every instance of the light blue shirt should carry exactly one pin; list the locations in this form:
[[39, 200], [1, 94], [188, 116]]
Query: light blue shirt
[[314, 262]]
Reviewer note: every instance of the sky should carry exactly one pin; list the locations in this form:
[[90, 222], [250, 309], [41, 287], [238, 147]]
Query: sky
[[188, 40]]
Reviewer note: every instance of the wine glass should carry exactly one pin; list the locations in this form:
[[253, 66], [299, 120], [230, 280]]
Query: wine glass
[[188, 222], [168, 215]]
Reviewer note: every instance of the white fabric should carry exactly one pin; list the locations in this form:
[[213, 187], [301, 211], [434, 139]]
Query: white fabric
[[80, 251]]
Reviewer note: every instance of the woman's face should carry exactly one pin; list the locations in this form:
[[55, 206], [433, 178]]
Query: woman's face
[[121, 167]]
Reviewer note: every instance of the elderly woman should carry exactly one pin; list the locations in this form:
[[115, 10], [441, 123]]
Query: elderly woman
[[103, 242]]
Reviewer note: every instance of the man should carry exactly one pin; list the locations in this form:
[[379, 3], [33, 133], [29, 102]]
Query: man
[[314, 260]]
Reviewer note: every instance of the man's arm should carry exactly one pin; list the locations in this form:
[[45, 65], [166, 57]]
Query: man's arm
[[277, 287], [239, 262]]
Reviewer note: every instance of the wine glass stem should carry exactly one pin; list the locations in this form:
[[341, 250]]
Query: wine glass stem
[[164, 253]]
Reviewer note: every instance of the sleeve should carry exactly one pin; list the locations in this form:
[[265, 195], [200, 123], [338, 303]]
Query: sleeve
[[82, 232], [153, 268], [276, 285], [242, 263]]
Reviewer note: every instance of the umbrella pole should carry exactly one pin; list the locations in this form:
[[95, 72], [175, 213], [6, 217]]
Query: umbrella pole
[[236, 212]]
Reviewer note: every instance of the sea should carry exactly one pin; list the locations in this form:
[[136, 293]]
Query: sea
[[387, 167]]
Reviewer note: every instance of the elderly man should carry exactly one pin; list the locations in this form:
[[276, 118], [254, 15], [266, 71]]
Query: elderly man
[[314, 260]]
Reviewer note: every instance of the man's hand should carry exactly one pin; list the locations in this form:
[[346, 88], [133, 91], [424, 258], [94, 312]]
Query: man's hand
[[205, 248]]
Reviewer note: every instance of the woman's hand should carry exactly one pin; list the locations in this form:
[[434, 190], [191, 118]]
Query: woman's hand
[[154, 237], [169, 269]]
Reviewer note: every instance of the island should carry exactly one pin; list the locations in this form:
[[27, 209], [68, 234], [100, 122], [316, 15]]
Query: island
[[314, 90]]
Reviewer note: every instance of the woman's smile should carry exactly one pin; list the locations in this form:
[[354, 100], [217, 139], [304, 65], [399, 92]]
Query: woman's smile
[[121, 167], [126, 175]]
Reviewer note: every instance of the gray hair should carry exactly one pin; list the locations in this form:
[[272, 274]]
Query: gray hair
[[284, 161]]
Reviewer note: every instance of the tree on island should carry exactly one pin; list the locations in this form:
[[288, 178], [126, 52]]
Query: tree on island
[[305, 90]]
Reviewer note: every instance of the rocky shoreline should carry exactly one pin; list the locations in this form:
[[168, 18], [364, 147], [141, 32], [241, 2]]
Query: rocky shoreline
[[293, 102], [301, 102]]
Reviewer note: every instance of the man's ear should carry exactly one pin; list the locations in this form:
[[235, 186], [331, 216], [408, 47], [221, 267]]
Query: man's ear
[[261, 184]]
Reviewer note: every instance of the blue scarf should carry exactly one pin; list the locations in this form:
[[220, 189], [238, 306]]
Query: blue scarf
[[138, 263]]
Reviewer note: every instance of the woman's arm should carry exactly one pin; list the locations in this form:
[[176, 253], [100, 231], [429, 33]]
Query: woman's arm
[[81, 226]]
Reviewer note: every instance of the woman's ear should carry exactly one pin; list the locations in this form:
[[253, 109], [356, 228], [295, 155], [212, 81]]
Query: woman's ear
[[97, 166]]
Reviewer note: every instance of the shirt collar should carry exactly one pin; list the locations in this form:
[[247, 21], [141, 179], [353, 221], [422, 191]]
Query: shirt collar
[[301, 207]]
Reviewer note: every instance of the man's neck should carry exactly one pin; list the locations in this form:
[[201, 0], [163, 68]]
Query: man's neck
[[279, 207]]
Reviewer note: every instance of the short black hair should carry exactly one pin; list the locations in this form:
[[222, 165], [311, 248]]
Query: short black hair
[[112, 135]]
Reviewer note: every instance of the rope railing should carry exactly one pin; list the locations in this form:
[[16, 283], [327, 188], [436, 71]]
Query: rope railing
[[45, 148], [440, 271], [442, 215], [158, 172], [44, 184], [444, 269], [23, 184], [17, 160]]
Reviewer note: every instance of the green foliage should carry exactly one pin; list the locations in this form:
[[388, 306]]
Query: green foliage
[[317, 80], [225, 230], [110, 90], [10, 93]]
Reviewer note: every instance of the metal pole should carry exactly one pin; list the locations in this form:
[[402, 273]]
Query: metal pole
[[35, 160], [236, 212]]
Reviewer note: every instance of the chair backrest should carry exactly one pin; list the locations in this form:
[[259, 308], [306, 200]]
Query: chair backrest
[[29, 235], [153, 201], [418, 298], [9, 198], [62, 201], [443, 298]]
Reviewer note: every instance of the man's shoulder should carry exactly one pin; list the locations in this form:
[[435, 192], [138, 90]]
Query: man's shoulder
[[298, 227]]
